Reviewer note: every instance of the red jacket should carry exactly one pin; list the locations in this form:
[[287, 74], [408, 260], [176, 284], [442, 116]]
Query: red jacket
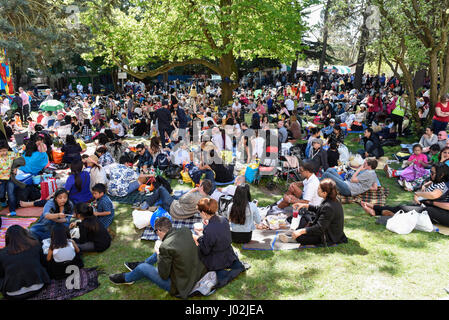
[[374, 105]]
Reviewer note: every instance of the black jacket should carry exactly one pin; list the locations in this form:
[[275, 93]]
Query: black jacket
[[319, 159], [101, 239], [22, 270], [328, 222], [376, 149], [215, 247], [164, 118]]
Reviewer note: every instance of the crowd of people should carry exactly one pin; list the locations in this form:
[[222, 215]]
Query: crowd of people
[[184, 127]]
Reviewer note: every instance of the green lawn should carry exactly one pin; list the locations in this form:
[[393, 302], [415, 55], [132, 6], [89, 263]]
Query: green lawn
[[375, 264]]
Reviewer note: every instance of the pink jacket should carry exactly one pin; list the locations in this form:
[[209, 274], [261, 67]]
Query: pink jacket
[[392, 105]]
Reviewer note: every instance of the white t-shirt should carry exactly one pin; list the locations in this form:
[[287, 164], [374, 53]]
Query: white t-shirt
[[64, 254], [311, 190], [290, 104], [229, 190], [118, 126]]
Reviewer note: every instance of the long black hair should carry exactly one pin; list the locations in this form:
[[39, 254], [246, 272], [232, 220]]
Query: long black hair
[[18, 239], [70, 139], [67, 206], [242, 197], [441, 173], [30, 148], [60, 234], [90, 221], [76, 167]]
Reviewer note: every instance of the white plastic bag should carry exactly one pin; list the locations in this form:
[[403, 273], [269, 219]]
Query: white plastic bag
[[141, 219], [403, 222], [423, 223], [344, 153]]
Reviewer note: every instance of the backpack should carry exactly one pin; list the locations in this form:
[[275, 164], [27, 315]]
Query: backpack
[[173, 171], [161, 162], [224, 203]]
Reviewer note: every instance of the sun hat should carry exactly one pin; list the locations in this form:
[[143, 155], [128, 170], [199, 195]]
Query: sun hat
[[94, 159]]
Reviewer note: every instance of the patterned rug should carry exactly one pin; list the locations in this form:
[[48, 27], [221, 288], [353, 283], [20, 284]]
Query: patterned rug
[[149, 234], [7, 222], [57, 289], [131, 198]]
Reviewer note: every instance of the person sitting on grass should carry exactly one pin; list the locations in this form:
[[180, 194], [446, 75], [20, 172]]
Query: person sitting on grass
[[363, 179], [104, 209], [78, 183], [433, 198], [417, 161], [214, 243], [22, 273], [327, 225], [57, 210], [178, 263], [243, 215], [72, 150], [309, 184], [93, 236], [62, 252], [318, 155]]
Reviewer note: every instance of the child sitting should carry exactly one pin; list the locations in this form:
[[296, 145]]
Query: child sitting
[[86, 131], [414, 168], [103, 207], [62, 252], [93, 236], [433, 154]]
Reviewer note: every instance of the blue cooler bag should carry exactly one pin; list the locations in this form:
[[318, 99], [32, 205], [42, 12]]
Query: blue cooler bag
[[26, 178], [160, 212]]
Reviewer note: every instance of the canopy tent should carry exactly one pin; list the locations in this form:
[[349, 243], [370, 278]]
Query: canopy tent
[[337, 69]]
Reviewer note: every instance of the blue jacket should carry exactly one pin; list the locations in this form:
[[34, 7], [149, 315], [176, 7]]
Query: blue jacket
[[182, 118]]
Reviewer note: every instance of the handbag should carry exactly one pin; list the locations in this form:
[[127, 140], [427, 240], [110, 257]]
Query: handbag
[[251, 172], [57, 156], [403, 222], [48, 187]]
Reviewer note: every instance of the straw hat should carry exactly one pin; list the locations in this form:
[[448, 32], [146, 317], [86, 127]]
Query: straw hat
[[93, 158]]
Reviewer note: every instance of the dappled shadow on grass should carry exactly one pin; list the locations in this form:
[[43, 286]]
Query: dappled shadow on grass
[[387, 261]]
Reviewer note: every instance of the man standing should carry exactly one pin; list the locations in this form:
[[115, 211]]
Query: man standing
[[17, 102], [289, 104], [164, 121], [79, 88], [179, 267]]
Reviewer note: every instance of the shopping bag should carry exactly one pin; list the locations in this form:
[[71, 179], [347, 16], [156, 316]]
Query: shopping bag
[[57, 156], [403, 222], [48, 187], [159, 213], [226, 156], [252, 172], [142, 219], [82, 144], [423, 222]]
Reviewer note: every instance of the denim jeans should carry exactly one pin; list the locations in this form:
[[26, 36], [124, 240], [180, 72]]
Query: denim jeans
[[342, 186], [148, 270], [8, 187], [226, 276], [160, 194]]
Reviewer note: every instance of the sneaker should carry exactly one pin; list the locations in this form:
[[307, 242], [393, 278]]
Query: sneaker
[[401, 182], [119, 278], [131, 265], [136, 205], [286, 239], [144, 205], [12, 214], [246, 265], [388, 171], [408, 186]]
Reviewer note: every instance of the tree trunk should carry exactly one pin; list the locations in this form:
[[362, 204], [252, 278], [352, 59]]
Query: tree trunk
[[364, 38], [229, 77], [418, 80], [226, 93], [433, 82], [293, 69], [411, 93], [114, 77], [325, 36]]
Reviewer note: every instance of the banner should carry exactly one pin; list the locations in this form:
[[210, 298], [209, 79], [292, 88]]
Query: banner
[[5, 74]]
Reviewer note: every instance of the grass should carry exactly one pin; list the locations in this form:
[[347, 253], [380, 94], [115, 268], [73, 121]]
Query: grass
[[375, 264]]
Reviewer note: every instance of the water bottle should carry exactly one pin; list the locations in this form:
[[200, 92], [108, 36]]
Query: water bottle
[[435, 229]]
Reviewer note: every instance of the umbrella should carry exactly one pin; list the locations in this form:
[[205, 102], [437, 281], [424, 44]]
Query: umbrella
[[51, 105], [257, 92]]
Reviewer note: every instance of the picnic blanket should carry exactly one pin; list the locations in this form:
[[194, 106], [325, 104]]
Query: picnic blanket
[[25, 212], [7, 222], [131, 198], [149, 234], [376, 197], [268, 240], [57, 289], [442, 229]]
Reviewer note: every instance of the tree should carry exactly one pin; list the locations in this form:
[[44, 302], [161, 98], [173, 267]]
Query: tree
[[420, 28], [325, 35], [213, 33]]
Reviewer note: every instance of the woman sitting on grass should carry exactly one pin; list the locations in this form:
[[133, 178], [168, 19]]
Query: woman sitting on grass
[[78, 183], [22, 273], [57, 210], [214, 243], [243, 215], [327, 224], [434, 195], [72, 150]]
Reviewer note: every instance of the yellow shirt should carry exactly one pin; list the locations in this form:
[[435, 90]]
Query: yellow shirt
[[5, 165]]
